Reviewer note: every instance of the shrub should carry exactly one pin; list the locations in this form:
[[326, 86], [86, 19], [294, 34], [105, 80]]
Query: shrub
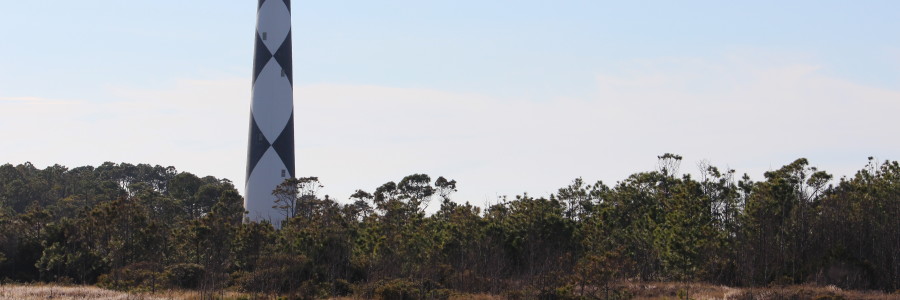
[[342, 288], [440, 294], [515, 294], [397, 289], [185, 275], [562, 293], [142, 276], [282, 273]]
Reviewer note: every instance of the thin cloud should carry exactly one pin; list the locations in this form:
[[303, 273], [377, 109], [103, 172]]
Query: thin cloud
[[20, 99], [744, 114], [749, 115]]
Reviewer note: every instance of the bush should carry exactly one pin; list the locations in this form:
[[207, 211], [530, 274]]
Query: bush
[[515, 294], [440, 294], [562, 293], [281, 273], [185, 275], [142, 276], [342, 288], [397, 289]]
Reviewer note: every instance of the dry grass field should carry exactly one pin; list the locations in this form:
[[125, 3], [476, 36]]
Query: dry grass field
[[701, 291], [41, 292], [636, 291]]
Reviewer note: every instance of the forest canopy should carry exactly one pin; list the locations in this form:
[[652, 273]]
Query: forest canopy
[[129, 227]]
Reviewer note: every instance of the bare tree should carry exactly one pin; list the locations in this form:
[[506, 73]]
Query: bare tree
[[296, 196]]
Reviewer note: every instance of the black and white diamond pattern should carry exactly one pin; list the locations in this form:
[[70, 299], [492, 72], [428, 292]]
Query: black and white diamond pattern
[[270, 157]]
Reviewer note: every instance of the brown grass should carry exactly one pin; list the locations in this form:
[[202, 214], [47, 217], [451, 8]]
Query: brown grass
[[702, 291], [476, 297], [41, 292], [638, 291], [453, 297]]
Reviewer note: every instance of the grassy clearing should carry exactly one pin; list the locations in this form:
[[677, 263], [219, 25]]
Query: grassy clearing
[[700, 291], [636, 291], [40, 292]]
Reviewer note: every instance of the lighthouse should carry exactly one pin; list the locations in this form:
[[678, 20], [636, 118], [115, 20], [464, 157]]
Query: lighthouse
[[270, 155]]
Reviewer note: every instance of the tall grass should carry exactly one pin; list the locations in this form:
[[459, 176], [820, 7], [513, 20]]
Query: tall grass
[[636, 291], [701, 291], [41, 292]]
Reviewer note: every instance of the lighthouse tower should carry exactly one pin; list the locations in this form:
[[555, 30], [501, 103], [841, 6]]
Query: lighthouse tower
[[270, 158]]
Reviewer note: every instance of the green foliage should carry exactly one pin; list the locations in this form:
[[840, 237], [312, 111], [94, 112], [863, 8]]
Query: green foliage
[[560, 293], [280, 273], [397, 289], [341, 287], [135, 277], [185, 275], [142, 227]]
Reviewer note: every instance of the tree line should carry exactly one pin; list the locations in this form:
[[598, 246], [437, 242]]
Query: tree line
[[143, 227]]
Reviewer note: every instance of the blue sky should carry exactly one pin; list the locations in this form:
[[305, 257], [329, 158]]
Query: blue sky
[[504, 96]]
